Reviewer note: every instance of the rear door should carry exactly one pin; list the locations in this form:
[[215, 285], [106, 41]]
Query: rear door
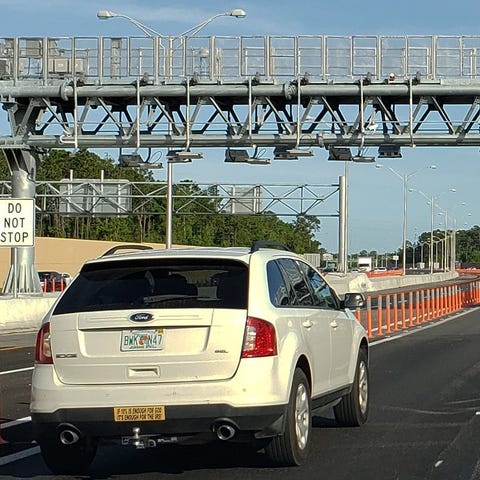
[[175, 321], [339, 325], [313, 323]]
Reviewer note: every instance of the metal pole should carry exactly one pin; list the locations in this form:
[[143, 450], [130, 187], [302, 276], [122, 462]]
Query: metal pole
[[169, 213], [404, 242], [454, 246], [342, 251], [432, 219], [22, 276], [445, 250]]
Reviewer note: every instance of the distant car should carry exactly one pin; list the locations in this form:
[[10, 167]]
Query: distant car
[[52, 281], [196, 345]]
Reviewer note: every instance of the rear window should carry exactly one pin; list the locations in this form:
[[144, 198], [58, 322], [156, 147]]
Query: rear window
[[157, 283]]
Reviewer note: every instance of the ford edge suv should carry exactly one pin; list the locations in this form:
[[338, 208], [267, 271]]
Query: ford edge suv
[[152, 347]]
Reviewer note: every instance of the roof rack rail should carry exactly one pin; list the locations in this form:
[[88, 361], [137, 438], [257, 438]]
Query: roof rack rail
[[115, 249], [258, 244]]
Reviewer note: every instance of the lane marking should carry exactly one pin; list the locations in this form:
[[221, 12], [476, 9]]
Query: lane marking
[[420, 327], [12, 423], [4, 349], [19, 455], [18, 370]]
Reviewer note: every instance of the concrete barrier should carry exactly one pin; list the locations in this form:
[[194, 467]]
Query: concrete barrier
[[24, 313], [360, 282]]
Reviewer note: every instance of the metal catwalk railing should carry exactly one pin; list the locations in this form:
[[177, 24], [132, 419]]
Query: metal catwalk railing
[[323, 58]]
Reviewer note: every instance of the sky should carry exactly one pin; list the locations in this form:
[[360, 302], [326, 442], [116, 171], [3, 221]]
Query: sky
[[375, 204]]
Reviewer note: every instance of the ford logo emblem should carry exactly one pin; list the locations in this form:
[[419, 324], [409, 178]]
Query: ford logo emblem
[[141, 317]]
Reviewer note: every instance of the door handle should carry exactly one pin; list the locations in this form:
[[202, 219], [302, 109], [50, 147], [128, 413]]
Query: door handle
[[307, 324], [334, 324]]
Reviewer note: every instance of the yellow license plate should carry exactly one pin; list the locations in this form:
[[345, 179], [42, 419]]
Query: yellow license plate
[[139, 414]]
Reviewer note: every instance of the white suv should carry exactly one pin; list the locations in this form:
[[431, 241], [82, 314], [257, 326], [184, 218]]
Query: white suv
[[199, 344]]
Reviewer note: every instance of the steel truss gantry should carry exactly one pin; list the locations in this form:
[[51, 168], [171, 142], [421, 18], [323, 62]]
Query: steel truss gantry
[[89, 198], [296, 114], [303, 91]]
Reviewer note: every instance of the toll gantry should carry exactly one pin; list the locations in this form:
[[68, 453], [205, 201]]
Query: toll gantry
[[186, 94]]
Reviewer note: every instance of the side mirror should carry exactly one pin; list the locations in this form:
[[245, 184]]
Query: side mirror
[[354, 301]]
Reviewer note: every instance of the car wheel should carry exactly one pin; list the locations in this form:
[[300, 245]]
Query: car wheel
[[291, 448], [352, 411], [68, 459]]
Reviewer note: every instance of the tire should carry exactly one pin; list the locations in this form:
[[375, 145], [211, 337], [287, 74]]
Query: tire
[[68, 459], [291, 448], [352, 411]]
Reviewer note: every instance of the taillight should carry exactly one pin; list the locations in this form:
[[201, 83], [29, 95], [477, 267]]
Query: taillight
[[260, 339], [43, 352]]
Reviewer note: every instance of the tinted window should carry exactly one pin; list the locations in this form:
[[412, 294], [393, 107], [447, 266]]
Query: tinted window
[[276, 285], [322, 294], [297, 280], [157, 283]]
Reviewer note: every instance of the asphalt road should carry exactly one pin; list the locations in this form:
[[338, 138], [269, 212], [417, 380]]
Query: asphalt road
[[424, 421]]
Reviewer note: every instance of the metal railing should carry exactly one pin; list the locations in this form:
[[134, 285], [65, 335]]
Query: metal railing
[[223, 59]]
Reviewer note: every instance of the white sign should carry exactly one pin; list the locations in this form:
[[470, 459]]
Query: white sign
[[17, 222]]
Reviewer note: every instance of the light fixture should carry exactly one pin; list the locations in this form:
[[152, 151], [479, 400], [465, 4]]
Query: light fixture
[[182, 156], [363, 159], [389, 151], [238, 13], [134, 160], [242, 156], [106, 14], [283, 153], [342, 154]]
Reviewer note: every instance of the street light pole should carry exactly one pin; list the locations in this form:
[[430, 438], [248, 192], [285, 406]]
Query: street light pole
[[342, 226], [404, 236], [405, 178], [169, 211], [432, 220], [431, 201]]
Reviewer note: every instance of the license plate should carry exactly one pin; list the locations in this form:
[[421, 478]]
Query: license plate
[[148, 339], [139, 414]]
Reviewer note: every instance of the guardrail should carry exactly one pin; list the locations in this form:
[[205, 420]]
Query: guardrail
[[226, 58], [389, 313]]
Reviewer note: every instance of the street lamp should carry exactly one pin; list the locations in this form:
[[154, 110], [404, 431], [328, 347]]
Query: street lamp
[[405, 178], [150, 32], [107, 14], [450, 265], [431, 201]]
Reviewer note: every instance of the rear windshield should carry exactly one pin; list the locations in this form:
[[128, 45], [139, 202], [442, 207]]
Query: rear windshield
[[157, 283]]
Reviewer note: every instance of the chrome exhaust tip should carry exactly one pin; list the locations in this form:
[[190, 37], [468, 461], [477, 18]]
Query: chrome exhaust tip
[[225, 431], [68, 435]]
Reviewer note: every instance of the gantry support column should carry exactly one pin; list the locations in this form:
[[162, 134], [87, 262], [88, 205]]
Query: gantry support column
[[22, 276]]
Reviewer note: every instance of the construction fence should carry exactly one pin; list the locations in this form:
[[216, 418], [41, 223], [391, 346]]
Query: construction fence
[[390, 313]]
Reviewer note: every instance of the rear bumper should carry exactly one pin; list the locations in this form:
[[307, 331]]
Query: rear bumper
[[188, 420]]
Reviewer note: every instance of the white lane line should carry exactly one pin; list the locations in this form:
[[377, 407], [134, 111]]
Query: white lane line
[[421, 326], [18, 370], [19, 455], [12, 423]]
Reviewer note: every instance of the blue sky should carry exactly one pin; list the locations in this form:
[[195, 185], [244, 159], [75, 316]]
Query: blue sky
[[375, 195]]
